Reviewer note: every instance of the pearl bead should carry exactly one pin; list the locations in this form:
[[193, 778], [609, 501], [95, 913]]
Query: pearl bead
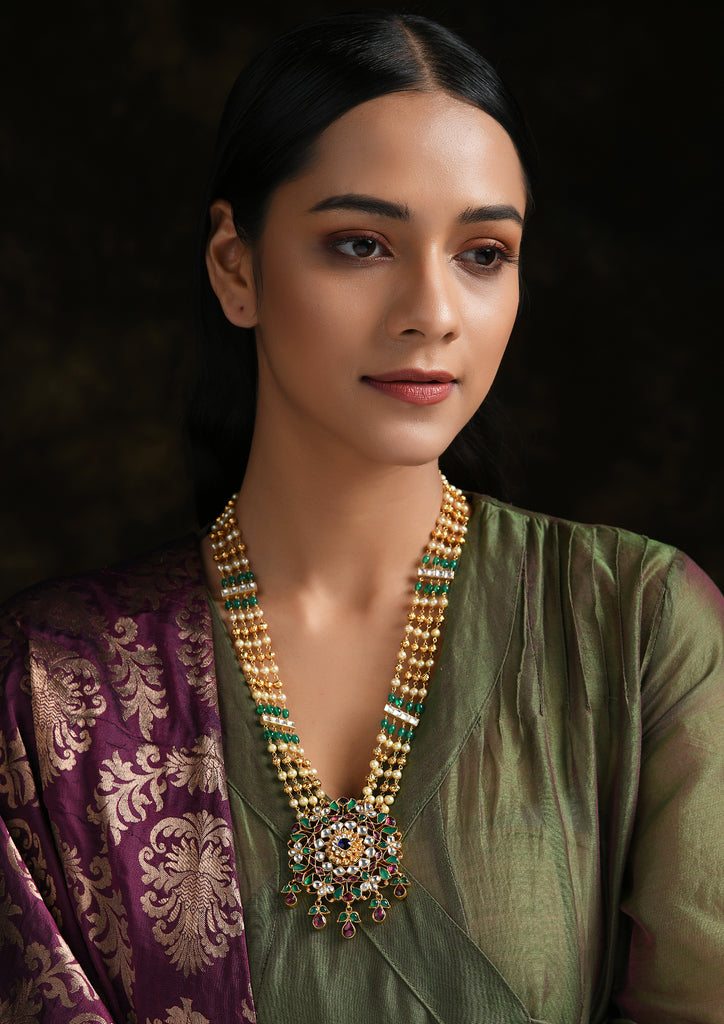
[[389, 800]]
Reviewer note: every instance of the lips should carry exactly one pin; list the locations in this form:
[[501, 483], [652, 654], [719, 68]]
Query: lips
[[417, 387]]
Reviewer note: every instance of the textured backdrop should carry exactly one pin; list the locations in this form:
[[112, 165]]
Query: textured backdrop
[[612, 384]]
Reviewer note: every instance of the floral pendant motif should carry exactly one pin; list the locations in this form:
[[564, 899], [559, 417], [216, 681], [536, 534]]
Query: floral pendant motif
[[346, 850]]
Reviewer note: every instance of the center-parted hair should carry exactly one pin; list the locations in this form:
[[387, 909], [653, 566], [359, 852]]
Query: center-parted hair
[[278, 107]]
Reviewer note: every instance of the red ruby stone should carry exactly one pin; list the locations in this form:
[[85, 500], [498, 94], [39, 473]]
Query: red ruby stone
[[318, 921], [379, 914], [290, 899], [348, 930], [348, 897], [400, 891]]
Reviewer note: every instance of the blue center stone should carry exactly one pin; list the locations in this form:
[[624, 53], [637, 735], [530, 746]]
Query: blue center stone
[[344, 843]]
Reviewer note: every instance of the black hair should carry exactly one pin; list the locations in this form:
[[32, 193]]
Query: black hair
[[276, 110]]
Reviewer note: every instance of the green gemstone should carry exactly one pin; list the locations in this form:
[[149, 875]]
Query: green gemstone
[[295, 738], [384, 723], [267, 734], [401, 733], [410, 706], [334, 806], [389, 830], [244, 603], [426, 559], [228, 605], [384, 873], [419, 708], [224, 581], [454, 564], [418, 586], [285, 712], [446, 588], [392, 860], [390, 697], [354, 916], [277, 710], [337, 894], [252, 602], [260, 709], [436, 560], [351, 804]]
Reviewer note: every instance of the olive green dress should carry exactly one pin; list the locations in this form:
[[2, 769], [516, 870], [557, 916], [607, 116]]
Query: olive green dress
[[562, 807]]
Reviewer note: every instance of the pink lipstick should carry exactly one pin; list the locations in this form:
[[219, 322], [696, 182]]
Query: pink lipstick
[[418, 387]]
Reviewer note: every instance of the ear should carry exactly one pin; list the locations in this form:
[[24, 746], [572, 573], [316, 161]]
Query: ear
[[230, 266]]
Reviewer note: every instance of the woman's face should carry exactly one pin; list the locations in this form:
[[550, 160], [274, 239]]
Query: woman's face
[[389, 280]]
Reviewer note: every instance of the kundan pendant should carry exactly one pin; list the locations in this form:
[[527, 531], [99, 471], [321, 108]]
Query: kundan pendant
[[345, 851]]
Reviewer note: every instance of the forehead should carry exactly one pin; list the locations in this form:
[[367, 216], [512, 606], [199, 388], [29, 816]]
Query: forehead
[[417, 147]]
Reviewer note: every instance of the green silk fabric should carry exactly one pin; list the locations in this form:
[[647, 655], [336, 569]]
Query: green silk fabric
[[561, 807]]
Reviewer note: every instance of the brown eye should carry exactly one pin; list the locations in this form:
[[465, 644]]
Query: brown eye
[[363, 246], [487, 256]]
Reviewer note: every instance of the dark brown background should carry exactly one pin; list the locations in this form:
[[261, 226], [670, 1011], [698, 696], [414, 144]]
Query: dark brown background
[[613, 382]]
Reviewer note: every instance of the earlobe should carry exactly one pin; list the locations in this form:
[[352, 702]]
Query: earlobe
[[229, 263]]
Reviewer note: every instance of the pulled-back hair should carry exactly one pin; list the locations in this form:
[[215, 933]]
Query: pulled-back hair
[[277, 109]]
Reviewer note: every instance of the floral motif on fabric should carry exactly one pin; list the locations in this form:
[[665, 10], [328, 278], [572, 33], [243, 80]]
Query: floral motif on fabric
[[191, 889], [201, 768], [183, 1014], [52, 974], [102, 906], [137, 674], [16, 778], [66, 704], [196, 650], [31, 849], [127, 790]]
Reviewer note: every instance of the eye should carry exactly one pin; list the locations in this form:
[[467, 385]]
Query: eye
[[488, 257], [360, 247]]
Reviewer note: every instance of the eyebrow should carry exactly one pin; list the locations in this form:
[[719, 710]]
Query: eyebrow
[[398, 211]]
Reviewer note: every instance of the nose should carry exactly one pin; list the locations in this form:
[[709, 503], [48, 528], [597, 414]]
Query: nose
[[424, 304]]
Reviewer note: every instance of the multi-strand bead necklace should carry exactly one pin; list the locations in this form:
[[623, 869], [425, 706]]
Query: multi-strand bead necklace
[[347, 849]]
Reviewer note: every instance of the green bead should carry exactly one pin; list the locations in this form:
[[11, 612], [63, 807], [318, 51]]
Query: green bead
[[390, 697], [446, 588], [285, 712], [224, 581], [401, 732], [418, 586], [295, 738], [426, 559], [252, 602], [237, 603], [384, 723], [244, 603], [260, 709], [419, 708], [228, 605], [410, 706], [436, 561], [454, 564]]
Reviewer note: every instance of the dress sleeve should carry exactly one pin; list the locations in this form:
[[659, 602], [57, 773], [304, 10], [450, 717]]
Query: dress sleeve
[[41, 980], [674, 897]]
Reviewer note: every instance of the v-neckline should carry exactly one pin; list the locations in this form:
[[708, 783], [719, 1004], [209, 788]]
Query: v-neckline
[[478, 614]]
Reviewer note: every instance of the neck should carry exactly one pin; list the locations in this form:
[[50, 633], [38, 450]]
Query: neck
[[313, 524]]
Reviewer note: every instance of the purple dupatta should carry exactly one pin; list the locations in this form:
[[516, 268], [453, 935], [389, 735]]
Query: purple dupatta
[[119, 899]]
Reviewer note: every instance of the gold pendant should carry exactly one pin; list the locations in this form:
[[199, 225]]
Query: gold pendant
[[346, 850]]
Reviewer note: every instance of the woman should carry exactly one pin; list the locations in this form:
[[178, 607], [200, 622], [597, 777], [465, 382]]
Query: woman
[[538, 838]]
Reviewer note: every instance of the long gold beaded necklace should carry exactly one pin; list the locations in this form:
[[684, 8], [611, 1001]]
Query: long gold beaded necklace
[[349, 849]]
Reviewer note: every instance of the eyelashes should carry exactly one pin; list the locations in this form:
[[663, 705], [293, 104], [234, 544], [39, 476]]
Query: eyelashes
[[484, 259]]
